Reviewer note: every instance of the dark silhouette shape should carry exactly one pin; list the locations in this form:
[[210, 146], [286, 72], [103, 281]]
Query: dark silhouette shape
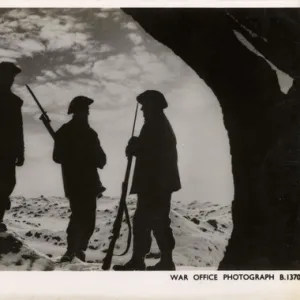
[[248, 90], [281, 179], [155, 178], [122, 209], [11, 136], [78, 150], [44, 117]]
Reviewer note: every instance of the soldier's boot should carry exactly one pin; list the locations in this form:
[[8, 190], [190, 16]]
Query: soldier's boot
[[165, 264], [68, 256], [81, 255], [134, 264]]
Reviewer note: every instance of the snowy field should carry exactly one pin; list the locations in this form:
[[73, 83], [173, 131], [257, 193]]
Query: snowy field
[[37, 227]]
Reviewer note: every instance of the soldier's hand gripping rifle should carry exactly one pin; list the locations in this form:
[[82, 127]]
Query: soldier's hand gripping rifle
[[44, 117], [122, 208]]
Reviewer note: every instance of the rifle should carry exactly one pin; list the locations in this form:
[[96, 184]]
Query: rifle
[[122, 208], [44, 117]]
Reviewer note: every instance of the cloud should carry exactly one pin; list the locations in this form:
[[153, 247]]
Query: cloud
[[154, 70], [135, 38], [116, 88], [5, 30], [9, 53], [105, 48], [31, 46], [17, 13], [114, 67], [31, 32], [8, 59], [144, 57], [135, 71], [27, 25], [81, 57], [77, 69], [58, 32], [55, 97], [12, 24], [138, 49], [129, 25], [41, 78], [102, 15], [32, 17], [97, 67], [89, 82], [157, 73], [60, 72], [92, 51], [173, 61], [109, 9], [57, 39], [80, 26], [116, 15], [50, 74]]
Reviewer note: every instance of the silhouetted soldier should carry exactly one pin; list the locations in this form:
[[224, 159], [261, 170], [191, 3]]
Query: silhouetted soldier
[[11, 136], [78, 150], [155, 178]]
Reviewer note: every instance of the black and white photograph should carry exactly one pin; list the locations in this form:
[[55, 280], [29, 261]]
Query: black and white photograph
[[149, 139]]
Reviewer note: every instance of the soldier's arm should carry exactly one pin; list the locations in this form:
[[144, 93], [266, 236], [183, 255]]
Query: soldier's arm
[[21, 147], [133, 147], [57, 151], [19, 135], [100, 155]]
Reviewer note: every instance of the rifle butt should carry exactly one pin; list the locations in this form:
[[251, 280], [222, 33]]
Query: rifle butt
[[108, 257], [118, 221]]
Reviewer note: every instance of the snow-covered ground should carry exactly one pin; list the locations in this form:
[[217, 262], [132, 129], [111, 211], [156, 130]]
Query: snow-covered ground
[[201, 231]]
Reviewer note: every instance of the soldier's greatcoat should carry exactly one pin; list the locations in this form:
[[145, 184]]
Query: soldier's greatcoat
[[12, 143], [156, 158], [78, 150]]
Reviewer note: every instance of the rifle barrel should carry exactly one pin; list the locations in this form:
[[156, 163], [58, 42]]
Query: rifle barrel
[[135, 115], [44, 117], [36, 100], [122, 207]]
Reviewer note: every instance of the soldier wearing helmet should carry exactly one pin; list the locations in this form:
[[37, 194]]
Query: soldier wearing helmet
[[78, 150], [155, 178], [11, 135]]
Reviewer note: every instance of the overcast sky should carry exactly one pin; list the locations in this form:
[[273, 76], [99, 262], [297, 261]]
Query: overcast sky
[[105, 55]]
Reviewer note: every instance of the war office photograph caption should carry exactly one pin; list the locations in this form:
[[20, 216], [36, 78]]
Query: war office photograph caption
[[149, 146]]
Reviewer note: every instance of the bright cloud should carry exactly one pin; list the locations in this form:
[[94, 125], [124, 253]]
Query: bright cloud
[[10, 53], [105, 48], [50, 74], [114, 67], [41, 78], [31, 46], [135, 38], [56, 33], [130, 25], [103, 15], [57, 40], [17, 13], [77, 69]]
